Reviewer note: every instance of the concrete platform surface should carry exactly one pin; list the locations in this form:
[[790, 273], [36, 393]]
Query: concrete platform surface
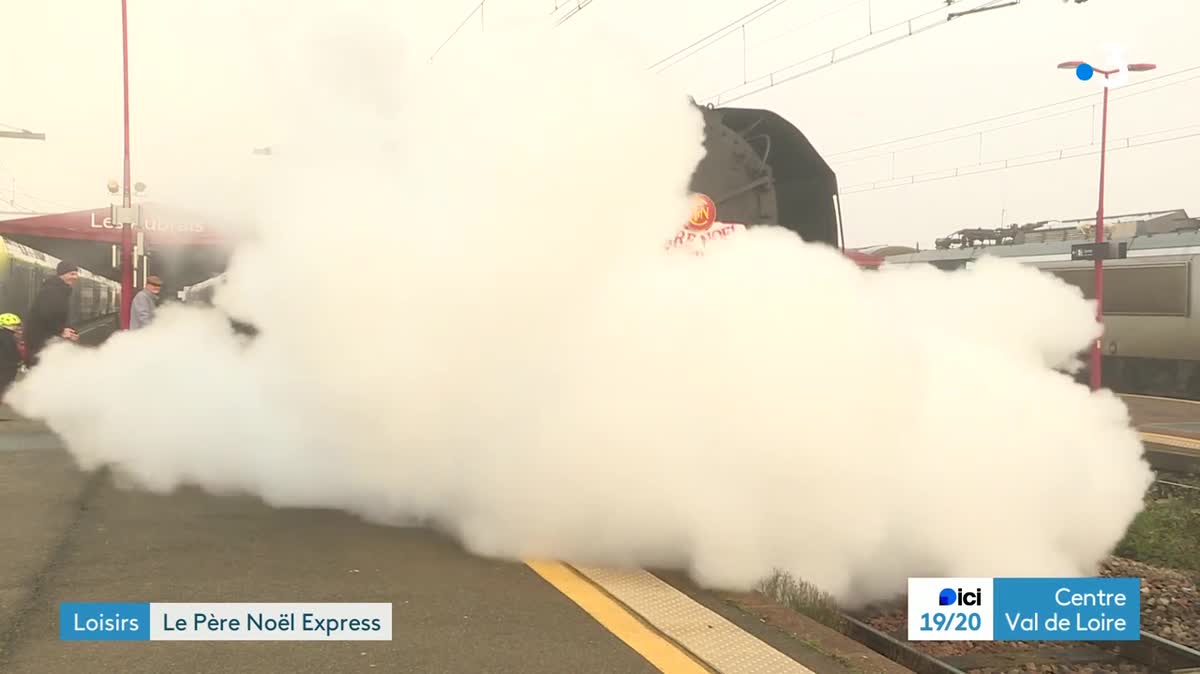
[[74, 537], [1163, 415]]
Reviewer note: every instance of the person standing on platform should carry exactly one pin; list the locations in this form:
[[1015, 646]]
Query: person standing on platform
[[141, 313], [48, 316], [11, 357]]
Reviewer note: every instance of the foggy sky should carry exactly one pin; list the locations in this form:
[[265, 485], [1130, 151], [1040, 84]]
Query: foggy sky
[[62, 76]]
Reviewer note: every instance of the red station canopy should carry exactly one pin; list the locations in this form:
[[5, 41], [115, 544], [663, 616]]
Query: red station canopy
[[97, 225]]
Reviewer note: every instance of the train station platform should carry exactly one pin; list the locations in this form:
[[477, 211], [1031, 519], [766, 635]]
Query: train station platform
[[1170, 430], [73, 536]]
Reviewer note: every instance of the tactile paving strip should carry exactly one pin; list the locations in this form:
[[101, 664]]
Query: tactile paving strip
[[722, 645]]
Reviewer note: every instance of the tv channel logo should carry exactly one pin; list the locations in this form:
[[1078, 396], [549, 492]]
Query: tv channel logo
[[950, 609], [951, 597]]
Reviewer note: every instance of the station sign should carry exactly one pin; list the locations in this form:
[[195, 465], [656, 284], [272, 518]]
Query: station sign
[[141, 219], [1109, 250]]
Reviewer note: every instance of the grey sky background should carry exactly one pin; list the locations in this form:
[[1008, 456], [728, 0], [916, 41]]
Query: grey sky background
[[62, 77]]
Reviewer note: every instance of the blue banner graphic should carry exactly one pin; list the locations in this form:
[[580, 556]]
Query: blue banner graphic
[[104, 622], [1024, 609], [1068, 609], [224, 622]]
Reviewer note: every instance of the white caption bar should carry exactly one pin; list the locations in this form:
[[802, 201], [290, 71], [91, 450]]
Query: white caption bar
[[270, 622]]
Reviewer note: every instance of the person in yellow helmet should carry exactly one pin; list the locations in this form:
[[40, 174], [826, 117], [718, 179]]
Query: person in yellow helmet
[[10, 350]]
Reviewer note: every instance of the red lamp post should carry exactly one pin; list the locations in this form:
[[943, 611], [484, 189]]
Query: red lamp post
[[1084, 72], [126, 228]]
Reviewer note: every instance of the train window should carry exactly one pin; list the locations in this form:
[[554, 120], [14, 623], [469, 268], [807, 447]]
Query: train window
[[1151, 290]]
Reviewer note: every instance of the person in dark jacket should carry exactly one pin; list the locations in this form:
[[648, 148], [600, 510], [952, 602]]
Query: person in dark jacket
[[141, 312], [10, 350], [48, 316]]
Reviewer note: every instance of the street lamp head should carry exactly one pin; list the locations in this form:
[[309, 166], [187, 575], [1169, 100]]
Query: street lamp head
[[1082, 70], [1141, 67]]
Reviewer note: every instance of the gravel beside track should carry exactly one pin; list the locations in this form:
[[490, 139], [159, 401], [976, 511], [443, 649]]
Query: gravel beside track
[[1170, 600]]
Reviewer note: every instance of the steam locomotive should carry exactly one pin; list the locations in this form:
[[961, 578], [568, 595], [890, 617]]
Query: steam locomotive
[[758, 169]]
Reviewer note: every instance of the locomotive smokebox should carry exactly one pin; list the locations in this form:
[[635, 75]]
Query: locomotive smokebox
[[761, 170]]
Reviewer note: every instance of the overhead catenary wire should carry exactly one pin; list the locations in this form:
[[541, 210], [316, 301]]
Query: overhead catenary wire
[[740, 24], [777, 77], [819, 19], [1059, 154], [993, 4], [56, 204], [11, 200], [576, 7], [476, 9], [720, 33], [1039, 118], [1036, 108], [12, 194], [31, 197]]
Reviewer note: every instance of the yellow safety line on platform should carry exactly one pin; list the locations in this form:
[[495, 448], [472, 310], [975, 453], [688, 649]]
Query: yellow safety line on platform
[[1172, 441], [655, 648]]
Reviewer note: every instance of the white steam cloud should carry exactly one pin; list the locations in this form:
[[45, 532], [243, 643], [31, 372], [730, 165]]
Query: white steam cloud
[[467, 320]]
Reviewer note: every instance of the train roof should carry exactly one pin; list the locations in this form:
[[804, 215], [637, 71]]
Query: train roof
[[1160, 233], [20, 251], [1175, 243]]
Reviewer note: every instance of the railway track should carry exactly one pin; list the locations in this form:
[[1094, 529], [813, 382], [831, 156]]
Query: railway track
[[1178, 487], [1151, 653], [1165, 454]]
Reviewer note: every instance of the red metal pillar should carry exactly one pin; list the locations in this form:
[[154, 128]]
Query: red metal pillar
[[126, 231], [1097, 355]]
